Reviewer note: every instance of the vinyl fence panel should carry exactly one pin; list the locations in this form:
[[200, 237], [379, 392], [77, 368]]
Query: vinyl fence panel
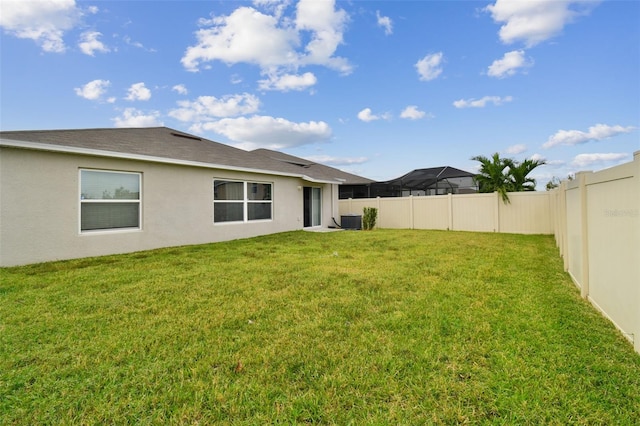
[[475, 212], [432, 212], [527, 213]]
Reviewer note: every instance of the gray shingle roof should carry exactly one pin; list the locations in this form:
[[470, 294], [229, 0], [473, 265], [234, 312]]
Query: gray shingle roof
[[169, 144], [423, 178], [316, 169]]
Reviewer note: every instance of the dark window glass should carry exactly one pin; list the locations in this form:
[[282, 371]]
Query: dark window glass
[[228, 212], [259, 211], [109, 216]]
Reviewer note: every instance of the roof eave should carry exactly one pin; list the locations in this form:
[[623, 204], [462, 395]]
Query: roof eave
[[315, 180], [149, 158]]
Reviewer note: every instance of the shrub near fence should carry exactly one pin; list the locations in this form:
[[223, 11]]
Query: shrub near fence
[[595, 220]]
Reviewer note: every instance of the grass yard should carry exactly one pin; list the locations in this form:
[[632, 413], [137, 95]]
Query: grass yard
[[380, 327]]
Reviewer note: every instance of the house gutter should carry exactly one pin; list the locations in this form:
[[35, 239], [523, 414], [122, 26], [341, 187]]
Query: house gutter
[[149, 158]]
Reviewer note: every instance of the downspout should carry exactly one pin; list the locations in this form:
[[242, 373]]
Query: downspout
[[333, 216], [333, 212]]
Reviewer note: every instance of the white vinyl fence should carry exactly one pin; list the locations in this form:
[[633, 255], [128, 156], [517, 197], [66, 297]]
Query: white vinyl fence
[[527, 213], [597, 228], [595, 219]]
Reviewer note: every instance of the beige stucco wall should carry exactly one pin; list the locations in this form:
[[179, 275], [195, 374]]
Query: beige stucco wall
[[39, 207]]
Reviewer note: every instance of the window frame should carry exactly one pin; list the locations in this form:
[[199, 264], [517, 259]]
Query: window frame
[[246, 201], [84, 201]]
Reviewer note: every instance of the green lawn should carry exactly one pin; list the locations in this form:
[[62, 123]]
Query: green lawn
[[380, 327]]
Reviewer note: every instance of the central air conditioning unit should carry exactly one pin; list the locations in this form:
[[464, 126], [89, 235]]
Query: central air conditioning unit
[[351, 221]]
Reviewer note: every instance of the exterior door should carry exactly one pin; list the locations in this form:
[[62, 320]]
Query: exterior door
[[312, 206]]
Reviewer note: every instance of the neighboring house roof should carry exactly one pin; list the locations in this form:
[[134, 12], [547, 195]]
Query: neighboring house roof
[[315, 168], [424, 178], [162, 144]]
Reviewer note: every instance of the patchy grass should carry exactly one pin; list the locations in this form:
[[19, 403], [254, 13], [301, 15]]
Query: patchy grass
[[381, 327]]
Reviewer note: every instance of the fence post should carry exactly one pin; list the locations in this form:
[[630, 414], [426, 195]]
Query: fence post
[[450, 223], [584, 250], [564, 237], [411, 214], [496, 213], [636, 332]]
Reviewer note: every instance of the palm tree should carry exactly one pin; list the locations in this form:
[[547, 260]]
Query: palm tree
[[504, 175], [493, 175], [518, 173]]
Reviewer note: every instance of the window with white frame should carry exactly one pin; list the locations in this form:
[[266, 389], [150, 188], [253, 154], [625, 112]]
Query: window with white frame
[[109, 200], [239, 201]]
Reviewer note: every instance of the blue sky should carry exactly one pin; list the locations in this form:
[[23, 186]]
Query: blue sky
[[376, 88]]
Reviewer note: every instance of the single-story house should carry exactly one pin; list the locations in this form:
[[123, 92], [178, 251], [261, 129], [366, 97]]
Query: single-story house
[[68, 194], [430, 181]]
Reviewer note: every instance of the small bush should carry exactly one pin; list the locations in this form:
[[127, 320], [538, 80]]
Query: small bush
[[369, 218]]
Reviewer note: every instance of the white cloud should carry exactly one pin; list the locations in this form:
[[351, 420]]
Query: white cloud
[[538, 157], [269, 132], [93, 90], [271, 41], [246, 35], [594, 133], [337, 161], [132, 117], [481, 103], [180, 88], [44, 22], [208, 108], [366, 115], [534, 21], [276, 6], [288, 82], [412, 113], [509, 64], [138, 92], [326, 25], [89, 43], [556, 163], [128, 40], [430, 67], [600, 159], [385, 22], [516, 149]]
